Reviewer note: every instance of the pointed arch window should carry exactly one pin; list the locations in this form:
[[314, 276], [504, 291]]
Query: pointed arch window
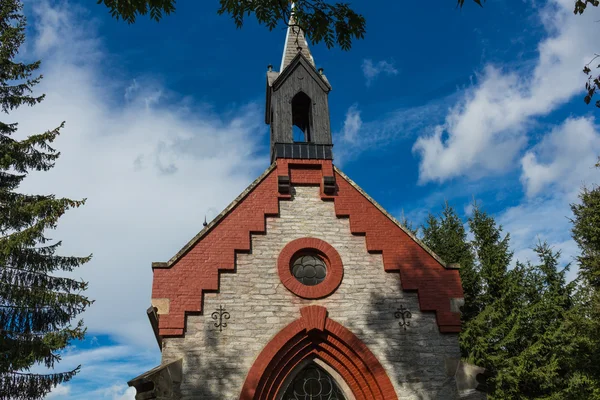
[[313, 383], [301, 117]]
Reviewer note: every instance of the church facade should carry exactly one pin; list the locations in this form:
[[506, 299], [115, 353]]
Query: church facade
[[304, 287]]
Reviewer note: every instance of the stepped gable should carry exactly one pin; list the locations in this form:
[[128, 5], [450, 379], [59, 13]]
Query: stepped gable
[[179, 284]]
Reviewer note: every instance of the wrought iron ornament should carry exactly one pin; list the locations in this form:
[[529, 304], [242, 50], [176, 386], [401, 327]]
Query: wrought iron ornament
[[220, 316], [405, 315]]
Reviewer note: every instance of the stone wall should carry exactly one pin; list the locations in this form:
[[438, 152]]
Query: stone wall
[[418, 360]]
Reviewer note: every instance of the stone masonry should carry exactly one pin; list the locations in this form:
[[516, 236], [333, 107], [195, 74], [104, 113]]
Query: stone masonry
[[418, 360]]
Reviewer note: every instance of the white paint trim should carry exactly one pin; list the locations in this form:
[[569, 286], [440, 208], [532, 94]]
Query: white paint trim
[[287, 35]]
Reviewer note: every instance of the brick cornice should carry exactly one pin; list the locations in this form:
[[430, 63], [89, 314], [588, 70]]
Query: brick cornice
[[195, 269], [420, 269], [315, 335], [214, 222]]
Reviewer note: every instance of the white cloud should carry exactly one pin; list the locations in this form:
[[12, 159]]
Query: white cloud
[[59, 392], [373, 70], [484, 133], [104, 373], [563, 159], [468, 209], [128, 394], [118, 392], [352, 124], [150, 163], [540, 219], [358, 136], [553, 173]]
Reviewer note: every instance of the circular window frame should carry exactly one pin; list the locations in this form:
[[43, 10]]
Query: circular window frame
[[330, 256]]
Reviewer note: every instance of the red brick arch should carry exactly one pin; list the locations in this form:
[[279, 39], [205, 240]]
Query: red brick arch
[[314, 335]]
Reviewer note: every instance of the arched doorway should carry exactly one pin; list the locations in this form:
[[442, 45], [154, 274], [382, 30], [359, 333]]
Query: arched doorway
[[316, 337]]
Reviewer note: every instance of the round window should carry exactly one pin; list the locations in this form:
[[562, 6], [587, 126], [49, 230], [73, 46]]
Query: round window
[[309, 269]]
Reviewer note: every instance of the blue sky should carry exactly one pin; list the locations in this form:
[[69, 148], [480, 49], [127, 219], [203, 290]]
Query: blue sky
[[165, 125]]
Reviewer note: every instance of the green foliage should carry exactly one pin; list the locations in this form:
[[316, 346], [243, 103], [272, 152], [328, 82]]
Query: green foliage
[[593, 81], [447, 237], [36, 305], [537, 335], [408, 225], [322, 21], [492, 252], [130, 9], [521, 335], [581, 5], [586, 232]]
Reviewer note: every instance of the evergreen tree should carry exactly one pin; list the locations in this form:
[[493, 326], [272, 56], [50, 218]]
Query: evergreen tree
[[36, 305], [447, 237], [538, 335], [492, 253], [524, 337], [408, 225], [531, 360], [583, 335], [586, 232]]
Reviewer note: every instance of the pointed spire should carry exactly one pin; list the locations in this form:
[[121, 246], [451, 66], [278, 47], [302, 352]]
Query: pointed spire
[[295, 41]]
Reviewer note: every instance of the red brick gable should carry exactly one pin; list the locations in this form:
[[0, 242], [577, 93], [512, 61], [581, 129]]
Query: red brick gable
[[195, 269]]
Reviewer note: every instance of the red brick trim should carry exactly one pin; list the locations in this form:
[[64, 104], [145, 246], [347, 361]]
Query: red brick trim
[[419, 270], [335, 269], [334, 345], [195, 270]]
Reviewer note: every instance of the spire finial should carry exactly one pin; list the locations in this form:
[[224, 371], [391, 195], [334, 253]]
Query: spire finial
[[205, 224], [295, 42]]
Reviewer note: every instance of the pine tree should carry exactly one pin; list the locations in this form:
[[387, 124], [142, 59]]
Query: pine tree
[[36, 305], [447, 237]]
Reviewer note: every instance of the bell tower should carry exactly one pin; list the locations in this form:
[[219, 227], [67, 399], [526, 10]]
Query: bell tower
[[297, 107], [303, 286]]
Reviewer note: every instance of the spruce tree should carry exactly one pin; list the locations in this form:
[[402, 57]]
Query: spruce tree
[[583, 336], [492, 253], [408, 225], [531, 358], [447, 237], [36, 304], [524, 337], [586, 232]]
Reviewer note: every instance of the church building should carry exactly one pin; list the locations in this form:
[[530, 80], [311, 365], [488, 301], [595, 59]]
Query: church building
[[304, 288]]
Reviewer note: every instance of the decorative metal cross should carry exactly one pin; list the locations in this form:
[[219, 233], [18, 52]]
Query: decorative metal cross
[[404, 314], [219, 316]]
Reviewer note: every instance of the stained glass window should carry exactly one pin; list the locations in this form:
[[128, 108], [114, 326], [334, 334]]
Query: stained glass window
[[313, 383], [309, 269]]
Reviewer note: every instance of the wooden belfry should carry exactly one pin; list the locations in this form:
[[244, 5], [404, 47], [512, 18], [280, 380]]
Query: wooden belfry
[[293, 291]]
